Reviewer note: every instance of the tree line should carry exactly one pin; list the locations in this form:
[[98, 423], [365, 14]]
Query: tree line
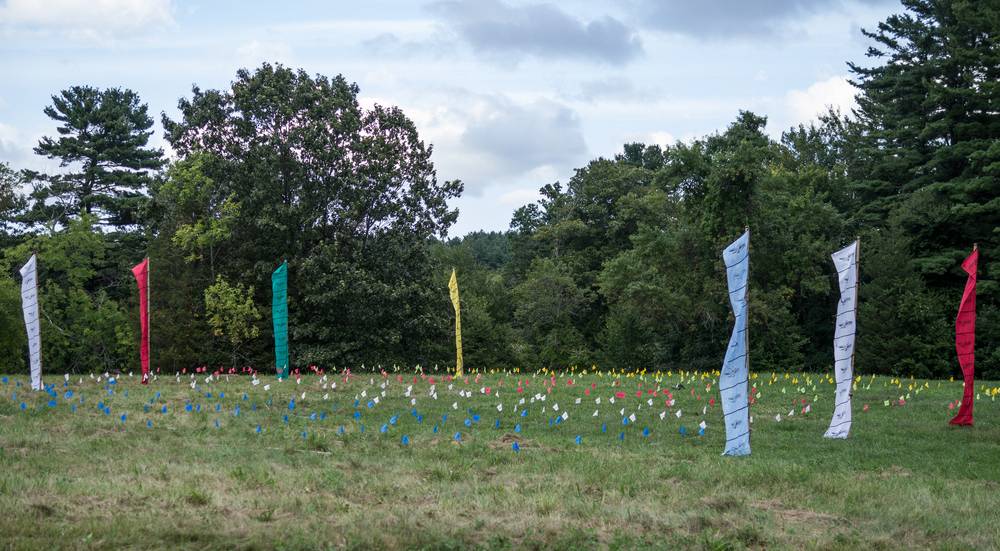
[[617, 267]]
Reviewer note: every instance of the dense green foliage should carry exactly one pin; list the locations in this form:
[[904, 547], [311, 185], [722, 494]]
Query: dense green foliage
[[618, 266]]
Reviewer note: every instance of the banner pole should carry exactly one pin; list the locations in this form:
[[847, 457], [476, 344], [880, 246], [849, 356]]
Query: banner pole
[[857, 303], [746, 334]]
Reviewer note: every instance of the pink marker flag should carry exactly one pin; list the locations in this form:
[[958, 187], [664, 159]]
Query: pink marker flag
[[965, 338], [141, 273]]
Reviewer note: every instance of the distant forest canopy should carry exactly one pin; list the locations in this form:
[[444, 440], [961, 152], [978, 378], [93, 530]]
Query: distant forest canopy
[[619, 266]]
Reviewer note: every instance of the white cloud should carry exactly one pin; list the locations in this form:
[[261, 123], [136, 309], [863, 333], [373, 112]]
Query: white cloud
[[806, 105], [255, 52], [660, 138], [494, 142], [88, 19], [519, 197], [494, 28], [729, 19], [8, 141]]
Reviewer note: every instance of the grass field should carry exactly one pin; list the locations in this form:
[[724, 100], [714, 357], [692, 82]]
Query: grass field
[[180, 463]]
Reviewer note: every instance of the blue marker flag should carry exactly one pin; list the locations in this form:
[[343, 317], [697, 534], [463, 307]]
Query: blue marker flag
[[734, 382]]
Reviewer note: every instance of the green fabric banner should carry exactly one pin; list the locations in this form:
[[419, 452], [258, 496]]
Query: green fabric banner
[[279, 313]]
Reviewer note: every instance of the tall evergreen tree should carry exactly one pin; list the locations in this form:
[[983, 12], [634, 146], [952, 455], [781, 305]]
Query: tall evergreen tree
[[932, 129], [103, 141]]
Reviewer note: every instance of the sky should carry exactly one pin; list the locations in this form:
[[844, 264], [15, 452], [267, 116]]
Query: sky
[[512, 94]]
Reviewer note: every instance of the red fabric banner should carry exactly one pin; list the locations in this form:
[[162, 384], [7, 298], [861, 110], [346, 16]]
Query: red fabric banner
[[965, 339], [141, 273]]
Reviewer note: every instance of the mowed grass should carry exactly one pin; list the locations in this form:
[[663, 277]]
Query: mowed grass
[[86, 478]]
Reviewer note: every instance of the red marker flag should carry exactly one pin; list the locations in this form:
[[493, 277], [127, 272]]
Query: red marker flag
[[141, 273], [965, 338]]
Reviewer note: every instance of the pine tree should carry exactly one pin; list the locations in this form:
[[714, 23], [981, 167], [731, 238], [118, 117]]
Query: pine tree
[[933, 130], [103, 141]]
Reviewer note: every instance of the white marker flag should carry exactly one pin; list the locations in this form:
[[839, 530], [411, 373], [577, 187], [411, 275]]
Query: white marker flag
[[846, 262], [29, 303], [735, 378]]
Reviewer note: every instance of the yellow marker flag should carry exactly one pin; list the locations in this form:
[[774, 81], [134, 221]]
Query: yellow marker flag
[[453, 287]]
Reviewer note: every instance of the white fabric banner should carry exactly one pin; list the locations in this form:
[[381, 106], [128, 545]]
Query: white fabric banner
[[29, 303], [734, 381], [846, 262]]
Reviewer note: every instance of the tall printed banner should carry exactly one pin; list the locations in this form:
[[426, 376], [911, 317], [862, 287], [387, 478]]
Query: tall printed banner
[[965, 338], [453, 288], [279, 314], [734, 382], [29, 304], [141, 273], [846, 262]]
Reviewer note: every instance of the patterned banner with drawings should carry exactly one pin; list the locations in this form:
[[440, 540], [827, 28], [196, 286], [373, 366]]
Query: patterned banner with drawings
[[29, 304], [846, 262], [735, 379]]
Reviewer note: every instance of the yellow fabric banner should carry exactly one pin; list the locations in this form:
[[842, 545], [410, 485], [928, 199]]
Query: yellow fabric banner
[[453, 287]]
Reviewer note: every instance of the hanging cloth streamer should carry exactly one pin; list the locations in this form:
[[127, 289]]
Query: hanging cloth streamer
[[965, 339], [279, 316], [29, 305], [453, 290], [734, 382], [141, 273], [846, 262]]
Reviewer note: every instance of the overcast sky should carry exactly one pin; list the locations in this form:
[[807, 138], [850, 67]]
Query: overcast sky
[[512, 94]]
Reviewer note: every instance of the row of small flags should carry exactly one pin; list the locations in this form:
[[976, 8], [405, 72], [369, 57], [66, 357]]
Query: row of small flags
[[519, 405], [471, 421], [734, 378]]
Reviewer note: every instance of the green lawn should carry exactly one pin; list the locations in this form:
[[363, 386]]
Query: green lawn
[[86, 478]]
